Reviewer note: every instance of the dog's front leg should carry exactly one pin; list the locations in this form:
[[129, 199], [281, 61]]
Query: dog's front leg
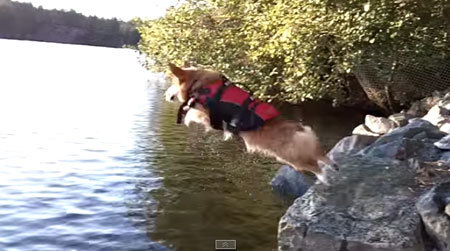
[[197, 116]]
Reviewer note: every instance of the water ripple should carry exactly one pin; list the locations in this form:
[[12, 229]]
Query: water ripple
[[73, 175]]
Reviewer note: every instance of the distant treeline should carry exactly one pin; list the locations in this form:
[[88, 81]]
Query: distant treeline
[[24, 21]]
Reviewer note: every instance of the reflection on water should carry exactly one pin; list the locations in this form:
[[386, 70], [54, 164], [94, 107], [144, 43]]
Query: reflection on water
[[92, 159], [214, 190], [72, 176]]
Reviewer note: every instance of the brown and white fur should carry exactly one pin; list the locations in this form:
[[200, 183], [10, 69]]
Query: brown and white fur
[[289, 142]]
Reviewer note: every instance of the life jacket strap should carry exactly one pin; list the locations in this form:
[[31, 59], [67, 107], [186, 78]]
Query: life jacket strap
[[222, 88], [236, 121]]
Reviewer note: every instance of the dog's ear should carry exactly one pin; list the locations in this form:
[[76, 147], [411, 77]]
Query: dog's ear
[[177, 71]]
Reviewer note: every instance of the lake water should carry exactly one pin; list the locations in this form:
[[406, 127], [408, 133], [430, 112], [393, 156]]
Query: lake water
[[91, 159]]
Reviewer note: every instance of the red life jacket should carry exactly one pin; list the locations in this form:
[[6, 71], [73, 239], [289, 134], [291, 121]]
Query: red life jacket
[[234, 109]]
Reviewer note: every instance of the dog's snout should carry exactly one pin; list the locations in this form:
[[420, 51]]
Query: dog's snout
[[171, 94]]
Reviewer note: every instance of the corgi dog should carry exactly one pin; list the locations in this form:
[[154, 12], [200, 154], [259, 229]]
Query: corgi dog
[[209, 100]]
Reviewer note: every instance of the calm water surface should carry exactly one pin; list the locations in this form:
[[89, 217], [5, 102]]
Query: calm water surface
[[91, 159]]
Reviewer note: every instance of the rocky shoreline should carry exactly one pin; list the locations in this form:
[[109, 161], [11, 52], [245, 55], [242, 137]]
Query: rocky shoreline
[[392, 191]]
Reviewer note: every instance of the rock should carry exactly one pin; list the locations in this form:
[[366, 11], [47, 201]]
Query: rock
[[445, 127], [400, 119], [416, 110], [414, 127], [429, 102], [420, 136], [421, 124], [421, 107], [290, 183], [363, 130], [445, 157], [414, 140], [370, 207], [443, 143], [445, 103], [447, 210], [379, 125], [432, 173], [437, 115], [350, 145], [447, 95], [404, 149], [431, 207]]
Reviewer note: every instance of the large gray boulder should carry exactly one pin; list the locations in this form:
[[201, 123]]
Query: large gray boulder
[[415, 140], [432, 209], [370, 207], [350, 145], [371, 203], [289, 183]]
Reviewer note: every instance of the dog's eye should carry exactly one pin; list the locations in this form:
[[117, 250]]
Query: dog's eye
[[172, 98]]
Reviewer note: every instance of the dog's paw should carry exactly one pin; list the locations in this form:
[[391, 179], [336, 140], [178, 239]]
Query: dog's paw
[[187, 122], [227, 135], [329, 165], [335, 167], [328, 176], [322, 178]]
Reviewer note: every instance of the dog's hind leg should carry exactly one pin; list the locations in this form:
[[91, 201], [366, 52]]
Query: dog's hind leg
[[289, 143], [311, 166]]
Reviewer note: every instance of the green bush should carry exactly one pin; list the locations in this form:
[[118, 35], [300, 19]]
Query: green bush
[[293, 50]]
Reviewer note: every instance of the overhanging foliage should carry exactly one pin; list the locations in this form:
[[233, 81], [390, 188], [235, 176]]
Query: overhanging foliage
[[295, 50]]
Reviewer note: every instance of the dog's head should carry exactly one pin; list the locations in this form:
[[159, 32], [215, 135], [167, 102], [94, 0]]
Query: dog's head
[[186, 81]]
